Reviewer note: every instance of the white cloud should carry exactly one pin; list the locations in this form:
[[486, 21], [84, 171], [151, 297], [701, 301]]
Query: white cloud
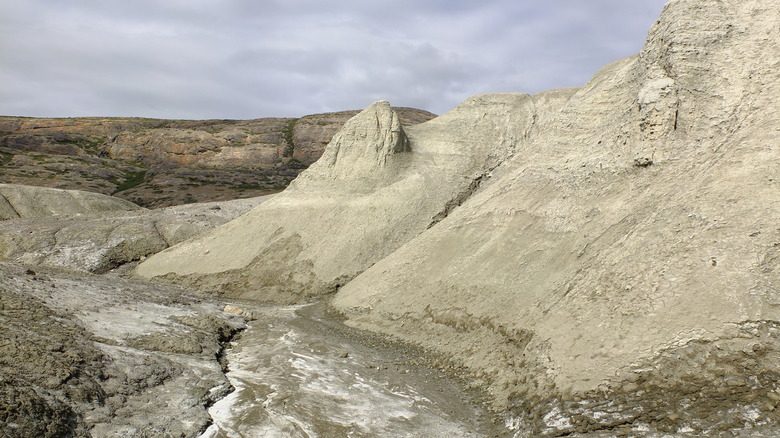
[[244, 59]]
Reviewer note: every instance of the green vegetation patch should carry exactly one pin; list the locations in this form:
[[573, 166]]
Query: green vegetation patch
[[189, 199], [85, 143], [38, 158], [250, 186], [132, 179], [5, 158], [287, 132]]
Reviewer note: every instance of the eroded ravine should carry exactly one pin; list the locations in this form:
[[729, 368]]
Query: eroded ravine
[[298, 373]]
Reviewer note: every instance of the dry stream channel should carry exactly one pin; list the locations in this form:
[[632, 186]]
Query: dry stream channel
[[300, 373]]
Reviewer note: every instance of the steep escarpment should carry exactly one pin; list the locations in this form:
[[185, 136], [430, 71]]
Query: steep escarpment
[[378, 185], [622, 272], [158, 163], [602, 260]]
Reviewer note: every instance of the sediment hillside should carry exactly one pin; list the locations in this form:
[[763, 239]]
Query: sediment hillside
[[377, 186], [603, 260], [624, 266], [158, 163]]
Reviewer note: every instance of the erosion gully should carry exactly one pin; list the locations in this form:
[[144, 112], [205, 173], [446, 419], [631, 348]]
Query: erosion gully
[[299, 372]]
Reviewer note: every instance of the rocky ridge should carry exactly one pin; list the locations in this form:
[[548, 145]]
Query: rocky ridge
[[157, 163], [21, 202], [87, 236], [603, 260]]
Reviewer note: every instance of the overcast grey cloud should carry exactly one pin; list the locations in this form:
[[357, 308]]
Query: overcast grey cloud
[[246, 59]]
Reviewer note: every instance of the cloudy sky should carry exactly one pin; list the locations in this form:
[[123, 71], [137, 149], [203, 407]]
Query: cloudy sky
[[253, 58]]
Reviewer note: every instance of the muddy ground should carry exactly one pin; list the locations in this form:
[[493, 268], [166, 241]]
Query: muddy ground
[[299, 372], [111, 356], [85, 355]]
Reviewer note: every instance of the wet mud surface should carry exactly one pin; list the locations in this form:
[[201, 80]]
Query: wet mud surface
[[298, 372]]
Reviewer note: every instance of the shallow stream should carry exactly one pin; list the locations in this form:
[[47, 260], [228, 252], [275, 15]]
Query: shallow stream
[[298, 373]]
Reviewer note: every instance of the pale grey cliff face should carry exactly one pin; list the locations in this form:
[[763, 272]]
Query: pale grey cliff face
[[626, 263], [602, 259], [365, 145], [377, 186]]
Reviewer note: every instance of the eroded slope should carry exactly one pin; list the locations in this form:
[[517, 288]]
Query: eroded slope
[[85, 356], [622, 271], [377, 185]]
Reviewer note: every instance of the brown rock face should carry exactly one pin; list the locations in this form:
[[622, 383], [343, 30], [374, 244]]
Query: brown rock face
[[157, 163]]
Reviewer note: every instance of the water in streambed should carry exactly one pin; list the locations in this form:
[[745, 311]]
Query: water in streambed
[[300, 374]]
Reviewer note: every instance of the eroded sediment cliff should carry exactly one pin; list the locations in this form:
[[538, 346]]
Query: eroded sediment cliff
[[624, 267], [602, 259], [377, 186]]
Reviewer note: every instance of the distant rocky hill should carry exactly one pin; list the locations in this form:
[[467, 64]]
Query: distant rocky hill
[[156, 163]]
